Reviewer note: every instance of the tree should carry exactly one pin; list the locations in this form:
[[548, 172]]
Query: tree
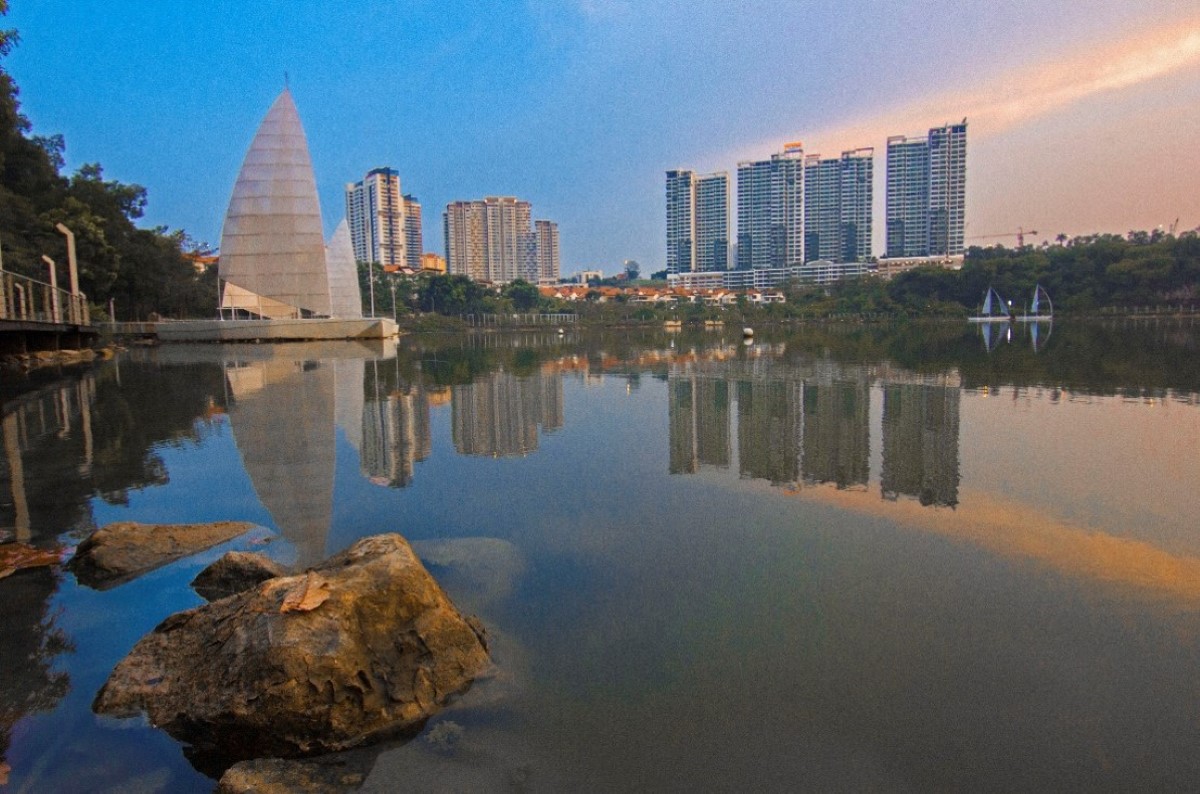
[[451, 295], [524, 296]]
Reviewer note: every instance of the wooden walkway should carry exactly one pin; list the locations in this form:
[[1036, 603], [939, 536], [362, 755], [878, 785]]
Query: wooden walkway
[[37, 316]]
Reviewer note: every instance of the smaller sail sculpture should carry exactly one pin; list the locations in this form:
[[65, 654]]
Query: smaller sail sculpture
[[1040, 308], [993, 310], [344, 294]]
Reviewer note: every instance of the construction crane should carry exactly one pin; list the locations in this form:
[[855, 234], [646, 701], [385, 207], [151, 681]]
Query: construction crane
[[1019, 234]]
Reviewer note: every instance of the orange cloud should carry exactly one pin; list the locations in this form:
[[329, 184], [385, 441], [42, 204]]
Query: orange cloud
[[1016, 96]]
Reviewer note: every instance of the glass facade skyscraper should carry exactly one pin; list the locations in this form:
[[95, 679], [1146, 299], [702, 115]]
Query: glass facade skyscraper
[[926, 192], [680, 224], [837, 206], [697, 221], [771, 218]]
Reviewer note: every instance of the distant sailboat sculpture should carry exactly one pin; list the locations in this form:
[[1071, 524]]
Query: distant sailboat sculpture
[[1040, 308], [993, 310]]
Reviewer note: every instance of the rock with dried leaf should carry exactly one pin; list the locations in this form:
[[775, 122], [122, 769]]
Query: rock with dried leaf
[[123, 550], [365, 645]]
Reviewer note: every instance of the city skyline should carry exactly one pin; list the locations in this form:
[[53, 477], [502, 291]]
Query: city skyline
[[1079, 115]]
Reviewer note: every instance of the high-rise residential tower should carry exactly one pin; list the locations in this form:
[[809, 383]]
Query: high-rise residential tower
[[770, 201], [858, 196], [837, 206], [464, 224], [822, 208], [926, 192], [697, 221], [947, 188], [413, 244], [375, 212], [508, 230], [546, 247], [712, 222], [490, 240], [681, 227]]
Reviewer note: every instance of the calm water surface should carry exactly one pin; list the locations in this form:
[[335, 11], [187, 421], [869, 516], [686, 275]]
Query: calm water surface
[[841, 558]]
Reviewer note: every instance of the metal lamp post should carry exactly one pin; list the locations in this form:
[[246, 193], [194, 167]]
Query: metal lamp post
[[53, 288], [371, 284], [72, 268]]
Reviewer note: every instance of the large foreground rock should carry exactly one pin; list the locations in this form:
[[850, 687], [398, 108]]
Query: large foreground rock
[[124, 550], [364, 645]]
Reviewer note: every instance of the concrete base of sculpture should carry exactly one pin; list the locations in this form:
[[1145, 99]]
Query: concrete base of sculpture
[[274, 330]]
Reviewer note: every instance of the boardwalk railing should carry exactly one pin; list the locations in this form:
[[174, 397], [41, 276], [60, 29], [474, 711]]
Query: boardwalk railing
[[518, 320], [25, 299]]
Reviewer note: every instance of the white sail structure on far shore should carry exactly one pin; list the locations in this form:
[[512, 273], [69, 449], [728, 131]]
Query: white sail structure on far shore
[[344, 293], [273, 261]]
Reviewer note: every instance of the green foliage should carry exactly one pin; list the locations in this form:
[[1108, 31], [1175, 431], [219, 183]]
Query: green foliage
[[1081, 274], [452, 295], [144, 271], [524, 296]]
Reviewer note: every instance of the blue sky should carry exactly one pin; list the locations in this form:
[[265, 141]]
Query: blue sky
[[1083, 116]]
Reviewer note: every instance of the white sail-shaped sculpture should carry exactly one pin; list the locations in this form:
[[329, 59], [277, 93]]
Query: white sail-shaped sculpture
[[344, 294], [272, 245]]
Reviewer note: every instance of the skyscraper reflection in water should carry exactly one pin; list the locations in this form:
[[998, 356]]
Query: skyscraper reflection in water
[[920, 443], [498, 415], [809, 423]]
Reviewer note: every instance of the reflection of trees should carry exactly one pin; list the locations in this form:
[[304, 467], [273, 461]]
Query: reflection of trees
[[95, 432], [30, 644], [1091, 357]]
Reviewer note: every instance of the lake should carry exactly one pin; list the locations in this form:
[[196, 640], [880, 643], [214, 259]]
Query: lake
[[836, 557]]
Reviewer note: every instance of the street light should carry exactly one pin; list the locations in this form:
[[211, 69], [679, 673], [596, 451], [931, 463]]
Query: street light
[[371, 284], [71, 264], [53, 288]]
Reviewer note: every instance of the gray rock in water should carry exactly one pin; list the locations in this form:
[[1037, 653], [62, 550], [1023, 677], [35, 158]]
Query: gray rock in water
[[364, 646], [124, 550], [235, 572]]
